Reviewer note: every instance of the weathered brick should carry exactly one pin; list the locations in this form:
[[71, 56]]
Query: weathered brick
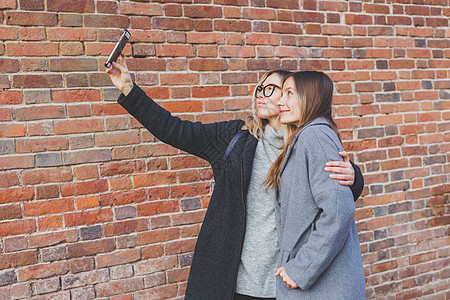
[[119, 287], [8, 277], [86, 278], [30, 18], [88, 218], [43, 271], [90, 248], [118, 258]]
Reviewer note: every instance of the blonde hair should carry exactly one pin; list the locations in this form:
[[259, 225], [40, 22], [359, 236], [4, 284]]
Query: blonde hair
[[255, 124], [315, 92]]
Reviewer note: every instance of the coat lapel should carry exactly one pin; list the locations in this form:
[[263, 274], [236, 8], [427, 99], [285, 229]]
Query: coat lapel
[[247, 158], [289, 151]]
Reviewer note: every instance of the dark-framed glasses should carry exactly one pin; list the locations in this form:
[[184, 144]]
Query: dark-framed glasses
[[267, 90]]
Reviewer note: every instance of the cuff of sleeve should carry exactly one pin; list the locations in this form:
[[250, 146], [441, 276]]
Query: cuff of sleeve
[[358, 185], [122, 98], [297, 276]]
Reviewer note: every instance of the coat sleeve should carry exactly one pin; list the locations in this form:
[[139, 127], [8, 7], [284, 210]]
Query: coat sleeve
[[207, 141], [335, 204], [358, 185]]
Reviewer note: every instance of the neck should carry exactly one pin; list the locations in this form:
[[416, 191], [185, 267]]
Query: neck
[[275, 123]]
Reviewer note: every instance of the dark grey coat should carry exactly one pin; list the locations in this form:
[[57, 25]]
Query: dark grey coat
[[319, 245], [218, 249]]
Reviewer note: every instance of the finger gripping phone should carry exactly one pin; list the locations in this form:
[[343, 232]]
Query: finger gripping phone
[[118, 48]]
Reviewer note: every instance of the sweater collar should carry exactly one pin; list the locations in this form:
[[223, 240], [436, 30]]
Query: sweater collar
[[273, 137]]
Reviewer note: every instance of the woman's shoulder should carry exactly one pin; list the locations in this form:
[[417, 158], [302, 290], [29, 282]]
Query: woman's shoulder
[[317, 134]]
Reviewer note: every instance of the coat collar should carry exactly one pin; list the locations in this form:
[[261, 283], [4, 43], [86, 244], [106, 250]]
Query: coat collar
[[318, 121]]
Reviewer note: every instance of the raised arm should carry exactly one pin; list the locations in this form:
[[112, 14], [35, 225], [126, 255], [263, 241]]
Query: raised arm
[[207, 141]]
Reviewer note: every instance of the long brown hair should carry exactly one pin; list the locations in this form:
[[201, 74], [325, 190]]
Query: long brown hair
[[255, 124], [315, 93]]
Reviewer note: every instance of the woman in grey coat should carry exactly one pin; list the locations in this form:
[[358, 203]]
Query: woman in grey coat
[[320, 256]]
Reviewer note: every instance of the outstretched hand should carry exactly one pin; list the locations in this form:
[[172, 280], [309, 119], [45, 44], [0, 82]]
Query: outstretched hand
[[120, 76], [286, 279], [342, 170]]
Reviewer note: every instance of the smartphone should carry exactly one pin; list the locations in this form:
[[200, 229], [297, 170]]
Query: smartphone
[[118, 48]]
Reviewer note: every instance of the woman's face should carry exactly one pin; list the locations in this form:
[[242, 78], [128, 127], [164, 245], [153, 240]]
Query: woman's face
[[288, 104], [267, 96]]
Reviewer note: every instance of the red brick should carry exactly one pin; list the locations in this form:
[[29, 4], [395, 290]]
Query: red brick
[[397, 20], [90, 248], [10, 212], [232, 2], [200, 11], [9, 65], [152, 179], [182, 24], [46, 176], [8, 4], [71, 34], [105, 21], [376, 8], [288, 4], [120, 168], [309, 17], [178, 247], [183, 106], [179, 79], [236, 51], [158, 207], [205, 38], [280, 27], [210, 91], [79, 6], [125, 197], [106, 7], [259, 14], [424, 257], [50, 223], [158, 236], [16, 162], [84, 188], [77, 126], [145, 9], [37, 81], [175, 50], [81, 265], [30, 18], [40, 145], [124, 227], [48, 207], [17, 227], [119, 287], [42, 271], [49, 239], [188, 218], [118, 258], [231, 25], [18, 259]]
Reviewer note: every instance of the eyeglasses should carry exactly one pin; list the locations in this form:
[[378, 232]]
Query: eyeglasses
[[267, 90]]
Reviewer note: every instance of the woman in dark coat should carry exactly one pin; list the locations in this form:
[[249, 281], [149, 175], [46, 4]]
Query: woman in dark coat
[[226, 265]]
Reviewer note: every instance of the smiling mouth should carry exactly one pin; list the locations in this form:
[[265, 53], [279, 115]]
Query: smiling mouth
[[283, 111]]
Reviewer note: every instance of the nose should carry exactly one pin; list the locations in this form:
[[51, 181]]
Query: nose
[[281, 101]]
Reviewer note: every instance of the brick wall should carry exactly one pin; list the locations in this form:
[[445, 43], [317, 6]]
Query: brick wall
[[93, 206]]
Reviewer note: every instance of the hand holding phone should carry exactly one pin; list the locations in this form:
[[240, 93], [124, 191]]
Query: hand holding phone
[[124, 37], [120, 76]]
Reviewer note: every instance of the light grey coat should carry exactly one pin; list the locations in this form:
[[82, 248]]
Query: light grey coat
[[319, 245]]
